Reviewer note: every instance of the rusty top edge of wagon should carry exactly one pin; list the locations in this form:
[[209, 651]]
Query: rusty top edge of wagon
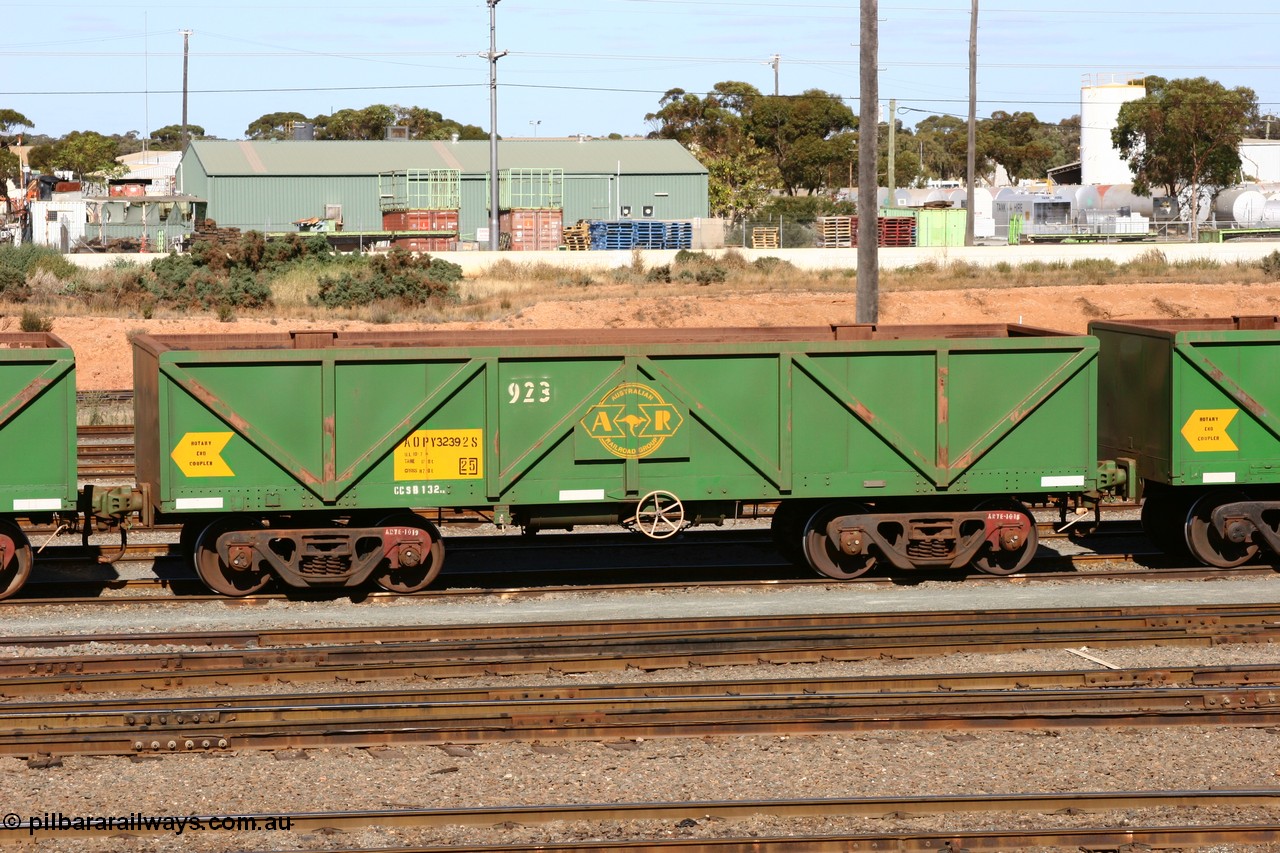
[[1171, 325], [31, 340], [316, 339]]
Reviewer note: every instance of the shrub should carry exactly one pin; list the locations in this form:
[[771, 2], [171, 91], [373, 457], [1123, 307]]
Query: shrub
[[398, 276], [33, 322], [1271, 265]]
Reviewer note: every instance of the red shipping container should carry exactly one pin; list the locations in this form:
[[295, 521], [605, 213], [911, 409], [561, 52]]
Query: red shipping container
[[533, 229], [425, 244], [440, 221], [127, 190]]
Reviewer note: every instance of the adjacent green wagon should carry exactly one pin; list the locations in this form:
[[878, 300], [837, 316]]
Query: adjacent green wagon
[[304, 455], [37, 442], [1196, 405]]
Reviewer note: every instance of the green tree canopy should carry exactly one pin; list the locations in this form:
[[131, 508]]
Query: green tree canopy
[[84, 153], [802, 135], [169, 137], [273, 125], [942, 146], [429, 124], [1185, 134], [11, 121], [1024, 146]]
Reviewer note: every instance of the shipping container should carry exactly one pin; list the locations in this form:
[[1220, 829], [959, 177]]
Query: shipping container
[[438, 221], [532, 230], [425, 244]]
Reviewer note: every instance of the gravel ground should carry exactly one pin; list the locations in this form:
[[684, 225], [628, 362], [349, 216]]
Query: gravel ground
[[881, 764]]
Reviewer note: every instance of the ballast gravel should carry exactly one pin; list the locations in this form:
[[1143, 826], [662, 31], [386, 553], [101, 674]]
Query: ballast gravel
[[885, 763]]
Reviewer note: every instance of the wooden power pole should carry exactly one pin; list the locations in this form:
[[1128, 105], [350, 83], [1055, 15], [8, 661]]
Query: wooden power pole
[[868, 292]]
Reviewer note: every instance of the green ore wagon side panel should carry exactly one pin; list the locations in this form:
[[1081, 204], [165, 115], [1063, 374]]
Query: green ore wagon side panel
[[1196, 402], [309, 421], [37, 424]]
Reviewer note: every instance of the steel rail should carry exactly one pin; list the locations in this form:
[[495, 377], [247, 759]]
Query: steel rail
[[1202, 616], [726, 810], [145, 710], [353, 723], [715, 643]]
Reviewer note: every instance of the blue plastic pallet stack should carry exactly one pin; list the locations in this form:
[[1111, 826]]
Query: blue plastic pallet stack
[[640, 234], [651, 235], [613, 235], [679, 235]]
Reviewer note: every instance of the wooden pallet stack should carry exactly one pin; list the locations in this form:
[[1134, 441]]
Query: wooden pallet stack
[[577, 238], [764, 238], [837, 232]]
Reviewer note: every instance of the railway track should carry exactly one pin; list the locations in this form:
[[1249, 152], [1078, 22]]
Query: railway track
[[1225, 696], [302, 656], [1034, 806]]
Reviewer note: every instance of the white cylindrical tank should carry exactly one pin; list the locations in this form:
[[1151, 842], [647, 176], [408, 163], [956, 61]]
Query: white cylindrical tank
[[1271, 212], [1090, 197], [1122, 195], [1240, 205], [1101, 97], [1204, 205]]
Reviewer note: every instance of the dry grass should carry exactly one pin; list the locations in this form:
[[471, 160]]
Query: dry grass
[[509, 286]]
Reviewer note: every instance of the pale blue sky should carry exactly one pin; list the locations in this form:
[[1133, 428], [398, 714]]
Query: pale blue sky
[[594, 66]]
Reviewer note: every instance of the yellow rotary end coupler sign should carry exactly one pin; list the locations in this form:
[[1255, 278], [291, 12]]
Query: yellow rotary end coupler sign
[[1206, 430], [440, 454], [632, 421], [199, 454]]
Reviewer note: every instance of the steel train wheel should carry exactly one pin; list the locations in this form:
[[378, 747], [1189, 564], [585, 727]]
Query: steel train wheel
[[412, 578], [993, 561], [14, 573], [216, 574], [1203, 539], [1163, 518], [659, 515], [822, 554]]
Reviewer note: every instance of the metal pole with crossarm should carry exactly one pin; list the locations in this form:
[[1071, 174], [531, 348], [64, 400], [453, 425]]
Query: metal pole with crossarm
[[493, 56]]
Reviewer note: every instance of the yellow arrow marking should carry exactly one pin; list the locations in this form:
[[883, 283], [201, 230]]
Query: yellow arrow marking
[[198, 454], [1206, 430]]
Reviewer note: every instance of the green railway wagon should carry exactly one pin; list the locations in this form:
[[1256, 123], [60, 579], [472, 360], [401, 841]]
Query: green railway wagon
[[305, 454], [1196, 405], [37, 442]]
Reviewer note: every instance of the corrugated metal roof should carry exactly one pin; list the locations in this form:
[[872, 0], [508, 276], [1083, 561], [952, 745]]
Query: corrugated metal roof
[[590, 157]]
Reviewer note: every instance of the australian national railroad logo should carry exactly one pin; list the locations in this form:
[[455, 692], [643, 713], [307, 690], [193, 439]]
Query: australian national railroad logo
[[632, 420]]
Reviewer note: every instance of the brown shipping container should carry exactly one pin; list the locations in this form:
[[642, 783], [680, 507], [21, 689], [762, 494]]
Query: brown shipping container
[[425, 244], [533, 230], [445, 221]]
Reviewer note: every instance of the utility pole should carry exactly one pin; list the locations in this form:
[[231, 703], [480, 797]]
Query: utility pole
[[868, 289], [186, 45], [775, 61], [493, 56], [893, 148], [973, 124]]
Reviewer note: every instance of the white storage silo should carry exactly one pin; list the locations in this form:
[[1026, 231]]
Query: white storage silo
[[1101, 97]]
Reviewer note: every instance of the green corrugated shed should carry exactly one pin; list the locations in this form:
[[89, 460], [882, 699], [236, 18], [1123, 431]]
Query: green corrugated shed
[[269, 185]]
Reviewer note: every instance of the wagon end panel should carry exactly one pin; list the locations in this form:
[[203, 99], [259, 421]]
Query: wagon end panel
[[1225, 413], [1135, 397], [37, 424], [243, 431]]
